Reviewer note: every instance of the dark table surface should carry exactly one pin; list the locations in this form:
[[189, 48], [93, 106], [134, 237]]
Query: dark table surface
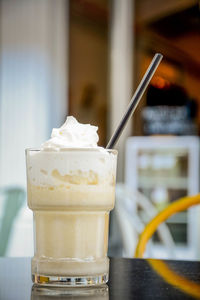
[[129, 279]]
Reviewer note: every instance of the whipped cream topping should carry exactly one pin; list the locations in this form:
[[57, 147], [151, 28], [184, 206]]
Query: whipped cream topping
[[72, 134]]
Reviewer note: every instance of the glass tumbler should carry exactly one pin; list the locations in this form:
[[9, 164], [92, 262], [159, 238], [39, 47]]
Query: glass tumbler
[[71, 193]]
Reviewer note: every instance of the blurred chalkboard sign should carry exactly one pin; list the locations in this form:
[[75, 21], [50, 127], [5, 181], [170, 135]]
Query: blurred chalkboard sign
[[169, 110]]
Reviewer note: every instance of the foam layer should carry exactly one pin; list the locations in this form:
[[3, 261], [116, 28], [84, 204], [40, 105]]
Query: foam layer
[[76, 166]]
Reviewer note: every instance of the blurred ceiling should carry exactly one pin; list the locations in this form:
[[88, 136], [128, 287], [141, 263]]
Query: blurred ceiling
[[146, 10], [173, 30], [169, 26], [179, 23], [152, 10]]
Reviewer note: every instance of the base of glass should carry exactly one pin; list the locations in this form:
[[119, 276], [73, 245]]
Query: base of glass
[[67, 292], [70, 281]]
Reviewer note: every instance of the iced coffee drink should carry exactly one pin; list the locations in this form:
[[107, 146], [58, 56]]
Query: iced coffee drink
[[71, 190]]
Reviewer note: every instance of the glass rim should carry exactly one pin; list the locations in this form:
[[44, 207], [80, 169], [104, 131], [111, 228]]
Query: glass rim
[[113, 151]]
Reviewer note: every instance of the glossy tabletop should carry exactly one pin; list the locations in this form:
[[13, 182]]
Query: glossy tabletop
[[129, 279]]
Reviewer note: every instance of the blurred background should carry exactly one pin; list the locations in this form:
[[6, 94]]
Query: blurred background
[[85, 58]]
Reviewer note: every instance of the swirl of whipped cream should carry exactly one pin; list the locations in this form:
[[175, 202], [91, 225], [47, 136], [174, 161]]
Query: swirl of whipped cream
[[72, 134]]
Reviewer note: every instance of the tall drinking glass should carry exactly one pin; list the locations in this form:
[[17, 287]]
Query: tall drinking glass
[[71, 193]]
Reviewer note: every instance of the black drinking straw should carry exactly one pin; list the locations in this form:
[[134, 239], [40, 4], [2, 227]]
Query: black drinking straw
[[135, 99]]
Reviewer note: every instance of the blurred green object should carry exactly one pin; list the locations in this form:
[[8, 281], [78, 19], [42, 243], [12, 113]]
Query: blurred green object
[[14, 198]]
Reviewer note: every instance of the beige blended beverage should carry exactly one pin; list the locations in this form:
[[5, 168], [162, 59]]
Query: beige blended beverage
[[71, 190]]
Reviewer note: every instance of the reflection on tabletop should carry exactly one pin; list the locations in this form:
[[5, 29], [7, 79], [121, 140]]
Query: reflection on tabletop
[[180, 282], [82, 293]]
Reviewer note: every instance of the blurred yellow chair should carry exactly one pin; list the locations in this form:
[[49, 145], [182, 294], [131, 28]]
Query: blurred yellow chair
[[184, 284], [175, 207]]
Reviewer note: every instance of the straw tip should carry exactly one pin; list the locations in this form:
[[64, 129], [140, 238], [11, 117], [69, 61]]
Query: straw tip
[[159, 54]]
